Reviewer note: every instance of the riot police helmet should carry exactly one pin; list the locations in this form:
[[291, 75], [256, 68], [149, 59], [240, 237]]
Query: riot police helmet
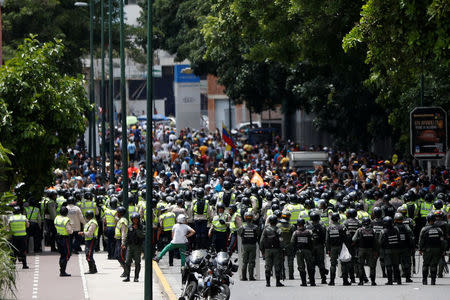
[[273, 220]]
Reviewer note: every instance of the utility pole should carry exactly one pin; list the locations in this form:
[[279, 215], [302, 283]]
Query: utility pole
[[91, 82], [111, 95], [123, 102], [102, 90], [148, 288]]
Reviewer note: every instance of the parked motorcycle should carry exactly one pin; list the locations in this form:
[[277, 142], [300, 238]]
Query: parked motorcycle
[[207, 276]]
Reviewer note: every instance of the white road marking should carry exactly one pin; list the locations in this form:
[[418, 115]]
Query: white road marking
[[35, 278], [83, 278]]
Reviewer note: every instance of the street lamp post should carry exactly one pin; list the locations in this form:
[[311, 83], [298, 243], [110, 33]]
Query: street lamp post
[[91, 85], [123, 101], [111, 95], [149, 154], [102, 90], [91, 72]]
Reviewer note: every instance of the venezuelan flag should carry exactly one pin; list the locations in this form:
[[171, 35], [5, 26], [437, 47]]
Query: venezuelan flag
[[226, 136]]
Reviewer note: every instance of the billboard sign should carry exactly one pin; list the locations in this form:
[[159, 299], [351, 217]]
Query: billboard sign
[[428, 132], [187, 98]]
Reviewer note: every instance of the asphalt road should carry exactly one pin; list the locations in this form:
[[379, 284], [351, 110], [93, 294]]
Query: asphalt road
[[246, 290], [42, 281]]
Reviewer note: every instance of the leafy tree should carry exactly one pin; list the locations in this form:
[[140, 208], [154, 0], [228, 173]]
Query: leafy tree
[[302, 39], [7, 269], [46, 110], [51, 19], [405, 40]]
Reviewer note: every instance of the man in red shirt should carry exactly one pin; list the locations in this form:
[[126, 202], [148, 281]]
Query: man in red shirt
[[132, 169]]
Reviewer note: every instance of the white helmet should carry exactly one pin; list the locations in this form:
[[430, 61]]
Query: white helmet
[[181, 219]]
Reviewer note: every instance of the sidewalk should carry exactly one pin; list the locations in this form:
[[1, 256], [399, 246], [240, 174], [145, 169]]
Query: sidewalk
[[107, 283]]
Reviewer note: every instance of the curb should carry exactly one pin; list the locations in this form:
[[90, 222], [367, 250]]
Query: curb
[[163, 281]]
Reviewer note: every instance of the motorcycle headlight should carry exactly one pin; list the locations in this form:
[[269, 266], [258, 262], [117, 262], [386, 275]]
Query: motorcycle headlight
[[201, 284], [221, 267], [195, 266]]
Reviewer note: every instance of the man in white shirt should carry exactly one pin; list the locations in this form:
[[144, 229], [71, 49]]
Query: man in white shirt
[[180, 234], [76, 219]]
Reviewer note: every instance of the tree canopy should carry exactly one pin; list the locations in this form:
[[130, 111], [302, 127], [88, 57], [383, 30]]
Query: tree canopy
[[55, 19], [405, 40], [45, 111]]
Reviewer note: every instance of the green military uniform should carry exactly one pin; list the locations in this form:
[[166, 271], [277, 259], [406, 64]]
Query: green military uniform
[[406, 247], [271, 248], [134, 241], [334, 239], [249, 234], [318, 249], [287, 229], [302, 239], [366, 240], [390, 242], [432, 245]]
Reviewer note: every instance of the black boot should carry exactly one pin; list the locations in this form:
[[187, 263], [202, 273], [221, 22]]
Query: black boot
[[383, 269], [303, 278], [345, 281], [323, 276], [352, 277], [127, 273], [312, 280], [372, 279], [278, 277], [268, 278], [433, 278], [244, 273], [361, 281], [389, 276], [24, 262], [408, 278], [291, 274], [62, 270], [398, 277], [424, 277], [250, 275], [332, 277], [137, 269]]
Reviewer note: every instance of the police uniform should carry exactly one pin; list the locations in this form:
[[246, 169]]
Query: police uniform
[[219, 231], [390, 242], [34, 217], [110, 224], [249, 233], [287, 229], [166, 221], [134, 241], [235, 223], [120, 235], [366, 240], [18, 224], [270, 247], [377, 225], [432, 245], [335, 237], [63, 232], [318, 251], [351, 226], [302, 239], [201, 213], [406, 246], [90, 237]]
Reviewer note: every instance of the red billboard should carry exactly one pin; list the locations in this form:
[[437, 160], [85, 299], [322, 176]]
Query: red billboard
[[428, 132]]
